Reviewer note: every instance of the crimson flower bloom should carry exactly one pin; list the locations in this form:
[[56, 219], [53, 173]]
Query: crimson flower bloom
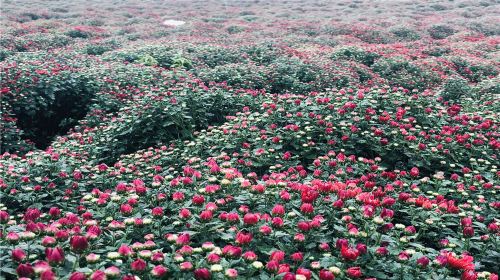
[[414, 172], [202, 274], [79, 243], [354, 272], [349, 254], [297, 257], [4, 217], [423, 261], [463, 263], [231, 251], [304, 272], [469, 275], [25, 270], [278, 210], [277, 256], [250, 219], [138, 265], [98, 275], [250, 256], [326, 275], [206, 215], [54, 255], [18, 254], [468, 231], [272, 266], [77, 276], [159, 271], [213, 258], [243, 238], [306, 208]]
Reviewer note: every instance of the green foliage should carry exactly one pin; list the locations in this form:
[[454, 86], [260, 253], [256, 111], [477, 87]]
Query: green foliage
[[292, 75], [401, 72], [60, 102], [455, 88], [77, 33], [488, 29], [237, 75], [34, 42], [474, 72], [4, 53], [148, 60], [356, 54], [374, 36], [157, 119], [11, 137], [153, 55], [49, 101], [487, 93], [405, 33], [181, 62], [261, 53], [437, 51], [233, 29], [440, 31], [213, 56], [100, 48]]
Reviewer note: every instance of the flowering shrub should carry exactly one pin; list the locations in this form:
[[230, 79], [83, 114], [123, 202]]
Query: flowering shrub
[[270, 141], [162, 56], [359, 55], [46, 96], [455, 88], [35, 42], [99, 48], [401, 72], [404, 33], [440, 31]]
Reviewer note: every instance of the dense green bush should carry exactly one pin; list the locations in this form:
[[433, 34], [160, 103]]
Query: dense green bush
[[484, 28], [32, 15], [440, 31], [401, 72], [78, 33], [264, 53], [455, 88], [473, 71], [154, 55], [234, 29], [282, 75], [247, 76], [437, 51], [11, 137], [356, 54], [162, 116], [49, 97], [213, 56], [487, 92], [374, 36], [4, 53], [292, 75], [48, 103], [34, 42], [99, 48], [404, 33]]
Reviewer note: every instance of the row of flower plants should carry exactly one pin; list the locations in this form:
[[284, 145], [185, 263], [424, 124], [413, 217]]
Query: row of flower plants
[[46, 93], [325, 185]]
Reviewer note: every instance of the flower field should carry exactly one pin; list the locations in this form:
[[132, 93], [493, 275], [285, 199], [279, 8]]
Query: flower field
[[249, 140]]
